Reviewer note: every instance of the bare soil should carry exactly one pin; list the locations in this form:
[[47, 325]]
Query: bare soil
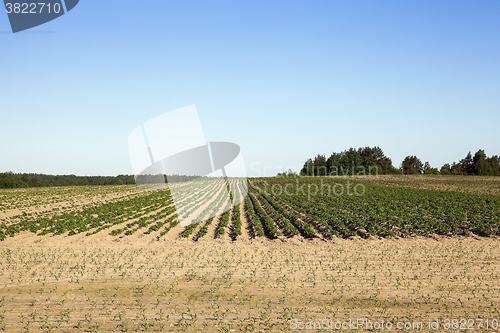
[[100, 283]]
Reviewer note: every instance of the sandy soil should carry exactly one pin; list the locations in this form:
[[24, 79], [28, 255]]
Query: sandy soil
[[102, 283]]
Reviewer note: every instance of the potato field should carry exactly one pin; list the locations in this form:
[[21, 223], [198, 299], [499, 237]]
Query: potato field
[[393, 253], [310, 207]]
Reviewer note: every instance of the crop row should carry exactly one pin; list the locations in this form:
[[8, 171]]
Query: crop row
[[268, 223], [236, 230], [89, 218], [305, 228], [257, 226], [419, 211], [203, 230], [379, 210], [224, 222], [219, 204]]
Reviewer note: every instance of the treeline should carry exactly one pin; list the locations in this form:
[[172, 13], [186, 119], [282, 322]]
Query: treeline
[[22, 180], [360, 162], [372, 161], [10, 180], [478, 165]]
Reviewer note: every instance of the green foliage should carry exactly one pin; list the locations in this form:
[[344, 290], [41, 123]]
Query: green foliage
[[257, 226], [289, 173], [479, 165], [428, 170], [381, 208], [293, 225], [380, 211], [305, 228], [270, 226], [224, 223], [172, 222], [11, 180], [432, 171], [190, 229], [203, 231], [236, 230], [137, 211], [412, 166], [372, 161], [363, 161], [116, 232]]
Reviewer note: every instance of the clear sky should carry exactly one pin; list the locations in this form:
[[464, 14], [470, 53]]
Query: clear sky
[[285, 80]]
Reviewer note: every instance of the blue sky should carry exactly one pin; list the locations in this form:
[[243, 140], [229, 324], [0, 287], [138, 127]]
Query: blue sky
[[285, 80]]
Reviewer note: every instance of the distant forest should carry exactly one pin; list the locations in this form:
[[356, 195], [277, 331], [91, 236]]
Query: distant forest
[[23, 180], [371, 161], [12, 180]]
